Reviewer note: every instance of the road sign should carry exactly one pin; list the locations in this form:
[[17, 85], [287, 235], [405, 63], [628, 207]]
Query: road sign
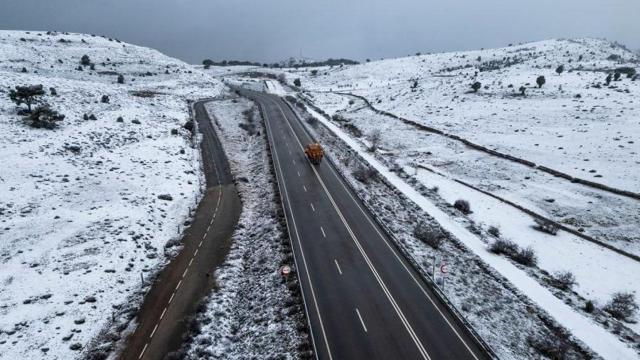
[[285, 270], [443, 268]]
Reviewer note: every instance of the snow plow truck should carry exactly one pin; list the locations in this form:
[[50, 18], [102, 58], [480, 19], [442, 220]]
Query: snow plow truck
[[314, 152]]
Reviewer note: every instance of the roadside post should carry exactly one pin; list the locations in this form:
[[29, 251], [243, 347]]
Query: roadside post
[[443, 271]]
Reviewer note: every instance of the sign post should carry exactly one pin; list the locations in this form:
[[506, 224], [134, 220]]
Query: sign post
[[443, 271]]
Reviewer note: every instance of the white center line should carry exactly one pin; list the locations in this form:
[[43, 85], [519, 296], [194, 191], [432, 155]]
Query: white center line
[[179, 283], [361, 321], [338, 266], [190, 262], [298, 173], [163, 311], [312, 207], [185, 272], [171, 298], [154, 331], [195, 253], [322, 229], [143, 350], [305, 188]]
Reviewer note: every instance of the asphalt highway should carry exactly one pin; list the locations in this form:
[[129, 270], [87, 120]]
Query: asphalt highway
[[176, 292], [362, 298]]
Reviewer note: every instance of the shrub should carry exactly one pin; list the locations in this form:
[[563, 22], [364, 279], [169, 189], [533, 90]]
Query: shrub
[[494, 231], [104, 99], [564, 280], [27, 95], [589, 306], [476, 86], [44, 117], [374, 140], [120, 79], [622, 306], [503, 246], [526, 256], [551, 346], [53, 91], [364, 174], [546, 226], [314, 72], [430, 235], [522, 90], [338, 118], [463, 206], [607, 80], [85, 60], [24, 70], [297, 82], [540, 81], [616, 76], [207, 62], [560, 69]]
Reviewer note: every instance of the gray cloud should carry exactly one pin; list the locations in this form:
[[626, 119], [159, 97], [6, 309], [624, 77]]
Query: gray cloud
[[270, 30]]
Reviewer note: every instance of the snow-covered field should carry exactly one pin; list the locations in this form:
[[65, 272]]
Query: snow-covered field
[[80, 217], [593, 136], [252, 314]]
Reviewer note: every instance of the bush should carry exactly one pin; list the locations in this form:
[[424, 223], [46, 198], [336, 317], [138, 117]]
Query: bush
[[364, 174], [104, 99], [53, 91], [463, 206], [502, 246], [526, 256], [44, 117], [589, 306], [564, 280], [476, 86], [540, 81], [85, 60], [430, 235], [494, 231], [374, 140], [550, 346], [120, 79], [297, 82], [522, 90], [622, 306], [560, 69], [546, 226]]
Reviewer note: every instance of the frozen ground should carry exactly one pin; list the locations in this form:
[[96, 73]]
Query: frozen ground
[[80, 217], [252, 314]]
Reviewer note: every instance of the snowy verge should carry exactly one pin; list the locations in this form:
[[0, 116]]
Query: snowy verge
[[253, 312]]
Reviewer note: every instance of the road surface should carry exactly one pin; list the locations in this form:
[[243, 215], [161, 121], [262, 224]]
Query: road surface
[[363, 300], [182, 284]]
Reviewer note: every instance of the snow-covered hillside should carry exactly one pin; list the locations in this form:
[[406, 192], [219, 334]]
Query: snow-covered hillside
[[578, 122], [80, 217]]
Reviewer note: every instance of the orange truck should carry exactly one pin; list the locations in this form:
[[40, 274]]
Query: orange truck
[[314, 152]]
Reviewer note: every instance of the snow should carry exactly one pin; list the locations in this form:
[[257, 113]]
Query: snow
[[250, 314], [602, 342], [78, 229], [594, 137]]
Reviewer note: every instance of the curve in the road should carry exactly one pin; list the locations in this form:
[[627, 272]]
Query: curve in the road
[[186, 280]]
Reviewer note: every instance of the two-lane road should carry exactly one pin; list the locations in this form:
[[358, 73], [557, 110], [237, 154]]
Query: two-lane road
[[363, 300]]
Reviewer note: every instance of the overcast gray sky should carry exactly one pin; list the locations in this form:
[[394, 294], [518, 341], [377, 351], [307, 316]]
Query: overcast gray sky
[[271, 30]]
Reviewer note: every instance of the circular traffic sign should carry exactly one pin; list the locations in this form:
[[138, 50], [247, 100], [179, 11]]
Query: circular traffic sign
[[443, 268], [285, 270]]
